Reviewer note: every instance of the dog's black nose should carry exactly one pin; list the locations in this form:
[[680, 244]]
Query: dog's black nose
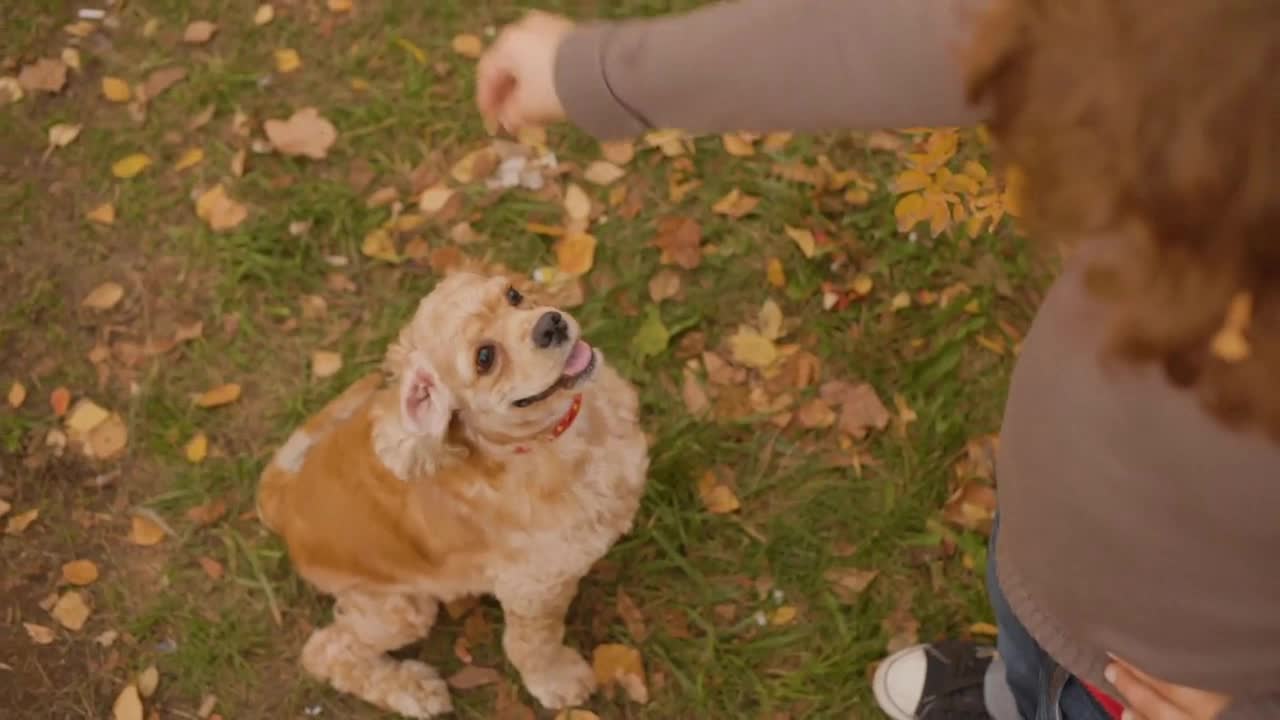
[[550, 330]]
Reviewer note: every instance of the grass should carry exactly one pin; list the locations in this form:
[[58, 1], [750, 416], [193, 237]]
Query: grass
[[704, 582]]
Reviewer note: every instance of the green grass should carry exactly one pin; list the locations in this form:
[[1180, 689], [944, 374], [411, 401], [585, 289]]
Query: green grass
[[803, 507]]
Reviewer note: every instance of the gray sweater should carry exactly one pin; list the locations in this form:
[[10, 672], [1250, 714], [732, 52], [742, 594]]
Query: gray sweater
[[1131, 521]]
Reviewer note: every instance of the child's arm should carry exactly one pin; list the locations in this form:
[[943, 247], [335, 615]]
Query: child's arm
[[744, 65]]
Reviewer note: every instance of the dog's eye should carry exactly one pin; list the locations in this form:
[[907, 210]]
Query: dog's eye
[[514, 297], [485, 356]]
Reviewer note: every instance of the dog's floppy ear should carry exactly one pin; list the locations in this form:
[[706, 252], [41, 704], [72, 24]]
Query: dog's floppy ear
[[426, 404]]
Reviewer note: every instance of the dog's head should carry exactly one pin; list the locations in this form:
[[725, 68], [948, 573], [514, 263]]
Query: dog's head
[[479, 350]]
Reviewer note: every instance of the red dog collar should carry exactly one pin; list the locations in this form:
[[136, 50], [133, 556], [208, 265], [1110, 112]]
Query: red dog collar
[[561, 427]]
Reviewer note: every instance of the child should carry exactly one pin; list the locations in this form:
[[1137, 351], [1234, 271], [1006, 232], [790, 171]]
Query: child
[[1139, 469]]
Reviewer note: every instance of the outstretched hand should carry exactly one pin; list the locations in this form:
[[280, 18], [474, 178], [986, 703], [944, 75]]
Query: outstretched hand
[[1147, 698], [515, 80]]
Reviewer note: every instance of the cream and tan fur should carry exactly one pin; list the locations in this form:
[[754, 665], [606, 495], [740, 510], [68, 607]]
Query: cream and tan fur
[[400, 495]]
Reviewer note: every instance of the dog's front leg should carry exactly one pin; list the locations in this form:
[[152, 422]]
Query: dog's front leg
[[351, 653], [534, 641]]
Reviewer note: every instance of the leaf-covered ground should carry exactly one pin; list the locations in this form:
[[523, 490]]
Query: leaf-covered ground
[[216, 214]]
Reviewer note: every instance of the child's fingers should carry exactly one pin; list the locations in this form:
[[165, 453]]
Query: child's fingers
[[1142, 701], [494, 81]]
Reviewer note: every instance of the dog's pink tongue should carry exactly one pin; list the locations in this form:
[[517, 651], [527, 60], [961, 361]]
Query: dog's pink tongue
[[579, 359]]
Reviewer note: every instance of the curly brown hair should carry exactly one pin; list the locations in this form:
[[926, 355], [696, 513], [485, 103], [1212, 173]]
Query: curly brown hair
[[1156, 124]]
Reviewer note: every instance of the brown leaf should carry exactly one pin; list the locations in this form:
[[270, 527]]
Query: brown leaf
[[475, 165], [972, 507], [816, 414], [576, 714], [751, 349], [784, 615], [60, 400], [116, 90], [631, 616], [680, 240], [128, 705], [201, 118], [199, 32], [144, 532], [148, 681], [220, 210], [575, 253], [693, 394], [305, 133], [664, 285], [71, 611], [468, 46], [901, 627], [44, 75], [218, 396], [325, 364], [19, 523], [108, 440], [17, 395], [160, 80], [716, 496], [736, 204], [739, 144], [287, 60], [39, 634], [472, 676], [104, 214], [621, 665], [849, 583], [104, 296], [860, 407], [208, 513], [80, 572], [211, 567]]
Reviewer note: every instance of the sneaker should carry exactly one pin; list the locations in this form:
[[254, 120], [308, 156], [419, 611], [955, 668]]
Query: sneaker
[[934, 682]]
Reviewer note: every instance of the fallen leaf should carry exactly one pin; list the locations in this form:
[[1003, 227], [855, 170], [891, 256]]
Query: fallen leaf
[[39, 634], [379, 245], [770, 320], [680, 240], [207, 513], [576, 714], [130, 165], [774, 273], [901, 627], [219, 210], [784, 615], [148, 681], [468, 46], [199, 32], [621, 665], [694, 396], [116, 90], [197, 448], [212, 568], [664, 285], [19, 523], [816, 414], [971, 507], [189, 159], [849, 583], [860, 407], [264, 14], [475, 165], [5, 507], [472, 676], [43, 75], [306, 132], [434, 199], [618, 152], [1229, 343], [738, 144], [17, 396], [85, 416], [60, 400], [218, 396], [339, 6], [803, 238], [287, 60], [144, 532], [716, 496], [775, 141], [107, 638], [104, 296], [736, 204], [325, 363], [63, 134], [575, 253], [631, 616], [128, 705], [603, 172], [750, 349], [576, 203], [71, 611], [80, 572], [10, 90], [652, 337], [109, 439], [104, 214]]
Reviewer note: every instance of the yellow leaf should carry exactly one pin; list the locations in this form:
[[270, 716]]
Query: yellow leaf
[[199, 32], [862, 284], [751, 349], [130, 165], [1229, 343], [475, 165], [576, 203], [857, 196], [107, 440], [664, 285], [219, 396], [468, 45], [325, 363], [803, 238], [909, 210], [148, 680], [774, 273], [197, 448], [901, 301], [104, 296], [414, 50], [716, 497], [17, 395], [63, 134], [576, 714], [576, 253], [784, 615], [19, 523], [287, 60], [738, 144], [144, 532], [621, 664], [71, 58], [603, 172], [104, 214], [339, 6], [85, 416], [434, 199], [128, 706], [379, 245], [618, 152], [775, 141], [71, 611], [264, 14], [736, 204], [770, 320], [984, 628], [116, 90], [80, 572], [189, 158], [1015, 181], [39, 634], [975, 170], [911, 181], [219, 210]]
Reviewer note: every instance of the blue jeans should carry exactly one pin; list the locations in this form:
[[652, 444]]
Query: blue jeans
[[1042, 689]]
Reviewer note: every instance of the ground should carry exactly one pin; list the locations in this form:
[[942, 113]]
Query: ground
[[821, 371]]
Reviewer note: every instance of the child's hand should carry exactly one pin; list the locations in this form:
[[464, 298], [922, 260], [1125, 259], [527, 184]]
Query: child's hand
[[1147, 698], [515, 80]]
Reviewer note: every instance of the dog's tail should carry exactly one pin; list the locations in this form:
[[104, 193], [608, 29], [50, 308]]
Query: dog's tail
[[279, 474]]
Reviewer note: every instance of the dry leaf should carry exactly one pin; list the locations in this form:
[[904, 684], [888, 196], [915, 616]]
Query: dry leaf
[[664, 285], [325, 363], [306, 132], [434, 199], [1229, 343], [680, 240], [631, 616], [576, 203], [738, 144], [715, 495], [10, 90], [144, 532], [237, 162], [784, 615], [104, 214], [816, 414], [475, 165], [107, 638], [693, 394], [774, 273], [85, 416], [199, 32], [861, 408], [5, 507], [862, 284], [130, 165], [287, 60], [17, 396], [104, 296], [618, 152], [575, 253], [212, 568], [468, 46], [775, 141], [80, 572], [972, 507], [63, 134], [109, 439], [201, 118], [116, 90], [379, 245], [189, 159], [218, 396], [751, 349], [984, 628], [197, 448], [602, 172], [264, 14], [576, 714], [472, 676], [44, 75], [736, 204], [60, 400], [71, 611], [339, 6], [19, 523], [770, 320], [39, 634], [148, 681], [901, 627], [219, 210], [849, 583], [620, 664], [803, 238], [128, 706], [207, 513]]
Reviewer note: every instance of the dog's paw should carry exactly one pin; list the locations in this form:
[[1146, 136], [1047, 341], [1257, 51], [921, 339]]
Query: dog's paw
[[565, 681], [414, 689]]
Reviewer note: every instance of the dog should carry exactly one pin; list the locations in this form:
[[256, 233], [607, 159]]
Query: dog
[[502, 456]]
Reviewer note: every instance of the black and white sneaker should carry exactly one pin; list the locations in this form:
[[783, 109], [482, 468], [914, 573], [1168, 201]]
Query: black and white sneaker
[[934, 682]]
